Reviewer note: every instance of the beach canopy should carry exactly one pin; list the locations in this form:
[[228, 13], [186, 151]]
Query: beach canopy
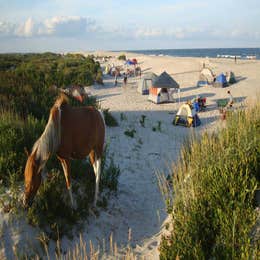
[[186, 116], [145, 83], [220, 81], [163, 89], [165, 81]]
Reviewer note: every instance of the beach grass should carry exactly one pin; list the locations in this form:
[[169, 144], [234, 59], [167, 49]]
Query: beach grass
[[214, 183]]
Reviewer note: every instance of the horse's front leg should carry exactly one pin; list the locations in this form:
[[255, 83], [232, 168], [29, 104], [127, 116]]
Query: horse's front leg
[[65, 163]]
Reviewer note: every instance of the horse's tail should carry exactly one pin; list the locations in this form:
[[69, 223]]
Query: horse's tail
[[50, 139]]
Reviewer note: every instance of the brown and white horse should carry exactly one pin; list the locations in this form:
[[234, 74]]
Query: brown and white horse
[[71, 133]]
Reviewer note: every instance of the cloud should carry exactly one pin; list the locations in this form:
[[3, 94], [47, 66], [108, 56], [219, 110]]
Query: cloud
[[26, 29], [6, 28], [59, 26], [84, 27], [66, 26]]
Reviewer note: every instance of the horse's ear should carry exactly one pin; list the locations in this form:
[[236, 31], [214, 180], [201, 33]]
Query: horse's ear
[[26, 151]]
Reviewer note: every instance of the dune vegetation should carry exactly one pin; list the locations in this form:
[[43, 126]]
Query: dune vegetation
[[26, 97], [213, 186]]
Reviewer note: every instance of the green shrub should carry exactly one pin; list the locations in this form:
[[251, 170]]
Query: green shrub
[[214, 184], [15, 135], [130, 133], [25, 79], [142, 120], [122, 57], [99, 77], [109, 119]]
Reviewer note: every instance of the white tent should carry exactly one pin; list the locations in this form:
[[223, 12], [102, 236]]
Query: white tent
[[145, 83]]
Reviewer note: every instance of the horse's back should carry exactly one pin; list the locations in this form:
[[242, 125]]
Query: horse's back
[[83, 130]]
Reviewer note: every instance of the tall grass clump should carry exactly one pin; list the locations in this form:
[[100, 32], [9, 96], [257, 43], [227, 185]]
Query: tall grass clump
[[16, 134], [214, 183]]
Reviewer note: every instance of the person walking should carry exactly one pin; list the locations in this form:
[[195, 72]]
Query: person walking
[[125, 79]]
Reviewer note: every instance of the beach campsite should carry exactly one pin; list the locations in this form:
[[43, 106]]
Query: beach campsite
[[142, 147], [129, 130]]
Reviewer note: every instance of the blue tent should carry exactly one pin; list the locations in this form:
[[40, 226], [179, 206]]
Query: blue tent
[[129, 62], [221, 81]]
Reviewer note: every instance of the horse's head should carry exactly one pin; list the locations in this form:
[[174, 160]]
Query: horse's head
[[32, 179]]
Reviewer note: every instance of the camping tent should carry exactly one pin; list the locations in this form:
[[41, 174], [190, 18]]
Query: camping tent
[[206, 77], [129, 62], [186, 116], [145, 83], [220, 81], [163, 88], [231, 79]]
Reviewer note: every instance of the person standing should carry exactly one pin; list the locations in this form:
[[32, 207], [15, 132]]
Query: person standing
[[116, 76], [230, 99], [125, 79]]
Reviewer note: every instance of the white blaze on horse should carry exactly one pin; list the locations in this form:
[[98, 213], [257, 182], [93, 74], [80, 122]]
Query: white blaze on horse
[[71, 133]]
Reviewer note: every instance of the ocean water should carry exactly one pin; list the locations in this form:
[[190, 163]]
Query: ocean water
[[242, 53]]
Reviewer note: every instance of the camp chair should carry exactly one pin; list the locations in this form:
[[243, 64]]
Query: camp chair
[[202, 104]]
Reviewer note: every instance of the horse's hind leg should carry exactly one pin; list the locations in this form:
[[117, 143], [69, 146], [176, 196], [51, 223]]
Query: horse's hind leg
[[96, 163]]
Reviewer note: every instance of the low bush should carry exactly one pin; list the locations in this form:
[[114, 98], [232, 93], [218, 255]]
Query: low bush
[[142, 120], [130, 133], [16, 135], [99, 77], [122, 57], [109, 119], [213, 189]]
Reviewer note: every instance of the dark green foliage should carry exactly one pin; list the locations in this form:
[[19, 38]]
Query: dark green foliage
[[130, 133], [26, 79], [16, 134], [109, 119], [109, 177], [122, 57], [214, 184], [142, 120], [99, 77]]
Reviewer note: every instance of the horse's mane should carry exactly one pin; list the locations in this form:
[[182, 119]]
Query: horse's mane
[[49, 141]]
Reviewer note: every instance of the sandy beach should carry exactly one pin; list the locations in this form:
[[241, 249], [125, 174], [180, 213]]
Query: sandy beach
[[139, 206], [136, 215]]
